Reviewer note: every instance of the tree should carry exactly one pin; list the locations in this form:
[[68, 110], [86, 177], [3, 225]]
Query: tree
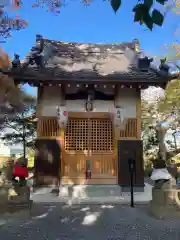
[[21, 125], [9, 24], [163, 114], [10, 95], [171, 53]]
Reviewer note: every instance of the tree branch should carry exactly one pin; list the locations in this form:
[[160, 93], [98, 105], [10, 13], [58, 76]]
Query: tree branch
[[12, 127]]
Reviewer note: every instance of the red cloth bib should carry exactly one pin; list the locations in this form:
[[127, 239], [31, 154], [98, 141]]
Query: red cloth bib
[[20, 171]]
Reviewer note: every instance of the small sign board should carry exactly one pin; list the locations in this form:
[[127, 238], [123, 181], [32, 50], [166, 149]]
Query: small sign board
[[62, 115], [119, 116]]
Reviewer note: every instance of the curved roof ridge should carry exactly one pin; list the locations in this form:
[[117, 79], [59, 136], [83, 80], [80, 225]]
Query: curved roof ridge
[[131, 45]]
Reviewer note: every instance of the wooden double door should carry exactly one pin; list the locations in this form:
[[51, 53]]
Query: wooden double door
[[89, 142]]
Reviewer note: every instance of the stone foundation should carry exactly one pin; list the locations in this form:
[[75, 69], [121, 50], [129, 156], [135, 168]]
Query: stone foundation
[[165, 201], [14, 199]]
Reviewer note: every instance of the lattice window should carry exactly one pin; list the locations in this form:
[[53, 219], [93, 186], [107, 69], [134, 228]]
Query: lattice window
[[101, 136], [83, 135], [76, 136], [48, 127], [130, 130]]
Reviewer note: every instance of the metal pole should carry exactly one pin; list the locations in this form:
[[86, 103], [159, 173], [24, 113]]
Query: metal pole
[[175, 143], [132, 189], [24, 140]]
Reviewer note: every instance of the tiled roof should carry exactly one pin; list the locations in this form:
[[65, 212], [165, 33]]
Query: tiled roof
[[81, 61], [102, 59]]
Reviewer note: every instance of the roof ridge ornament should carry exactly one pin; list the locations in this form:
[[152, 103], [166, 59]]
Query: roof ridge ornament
[[164, 67], [35, 56], [16, 63], [144, 63], [136, 45]]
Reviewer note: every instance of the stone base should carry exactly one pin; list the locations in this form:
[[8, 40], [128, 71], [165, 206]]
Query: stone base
[[164, 212], [23, 194], [164, 202], [14, 206], [21, 200], [3, 199], [136, 188], [12, 203]]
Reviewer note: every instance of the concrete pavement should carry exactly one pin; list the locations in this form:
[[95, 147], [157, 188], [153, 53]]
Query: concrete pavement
[[87, 222], [95, 194]]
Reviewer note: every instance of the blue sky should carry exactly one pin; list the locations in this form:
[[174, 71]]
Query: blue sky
[[96, 23]]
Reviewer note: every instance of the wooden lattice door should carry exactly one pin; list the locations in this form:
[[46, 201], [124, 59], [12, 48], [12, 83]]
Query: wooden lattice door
[[101, 146], [89, 139]]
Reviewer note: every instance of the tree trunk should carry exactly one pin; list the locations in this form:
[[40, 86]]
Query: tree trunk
[[24, 141], [161, 132]]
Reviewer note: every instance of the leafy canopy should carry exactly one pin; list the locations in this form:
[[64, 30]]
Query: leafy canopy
[[144, 12], [22, 128], [163, 109]]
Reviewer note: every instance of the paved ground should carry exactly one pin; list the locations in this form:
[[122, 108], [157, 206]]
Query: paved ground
[[101, 222], [96, 194], [56, 221]]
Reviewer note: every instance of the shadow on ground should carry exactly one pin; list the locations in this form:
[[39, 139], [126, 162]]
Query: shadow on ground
[[59, 222]]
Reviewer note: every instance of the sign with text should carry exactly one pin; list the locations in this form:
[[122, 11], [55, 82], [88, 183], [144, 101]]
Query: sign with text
[[62, 115], [119, 115], [119, 119]]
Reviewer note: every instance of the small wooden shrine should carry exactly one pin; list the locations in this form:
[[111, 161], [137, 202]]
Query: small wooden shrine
[[88, 108]]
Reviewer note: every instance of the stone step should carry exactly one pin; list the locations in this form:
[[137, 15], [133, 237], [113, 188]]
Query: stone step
[[92, 194], [99, 191], [14, 206], [91, 190]]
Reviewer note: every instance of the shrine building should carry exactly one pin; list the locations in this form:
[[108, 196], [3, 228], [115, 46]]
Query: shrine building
[[88, 108]]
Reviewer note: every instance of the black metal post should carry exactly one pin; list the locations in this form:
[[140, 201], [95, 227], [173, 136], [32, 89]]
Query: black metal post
[[132, 170], [132, 189], [24, 140]]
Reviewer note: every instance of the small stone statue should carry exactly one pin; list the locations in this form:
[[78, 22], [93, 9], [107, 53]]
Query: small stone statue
[[164, 195], [7, 171], [35, 55], [21, 171], [160, 175], [16, 63]]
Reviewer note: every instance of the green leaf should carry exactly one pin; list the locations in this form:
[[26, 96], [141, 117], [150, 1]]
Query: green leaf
[[145, 16], [138, 13], [115, 4], [157, 17], [138, 7], [148, 20], [148, 3], [137, 16], [162, 2]]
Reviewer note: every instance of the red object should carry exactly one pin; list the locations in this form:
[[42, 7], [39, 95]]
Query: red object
[[88, 174], [20, 171], [65, 113]]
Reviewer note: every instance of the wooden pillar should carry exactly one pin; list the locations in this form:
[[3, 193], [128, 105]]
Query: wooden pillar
[[129, 145], [48, 151], [39, 98], [130, 149], [138, 113]]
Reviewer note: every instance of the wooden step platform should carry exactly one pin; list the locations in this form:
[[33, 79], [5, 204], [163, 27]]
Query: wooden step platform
[[99, 179]]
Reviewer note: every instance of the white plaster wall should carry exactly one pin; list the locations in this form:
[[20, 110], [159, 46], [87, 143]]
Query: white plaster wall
[[52, 97], [126, 98], [99, 106]]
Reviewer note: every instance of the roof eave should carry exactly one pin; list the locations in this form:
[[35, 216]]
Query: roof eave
[[21, 76]]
